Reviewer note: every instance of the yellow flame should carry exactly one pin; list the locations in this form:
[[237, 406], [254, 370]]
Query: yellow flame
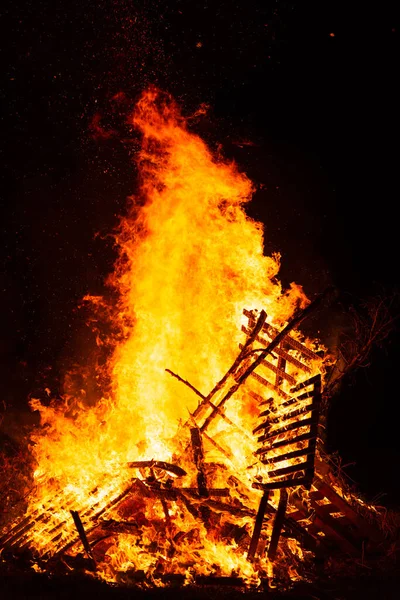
[[190, 261]]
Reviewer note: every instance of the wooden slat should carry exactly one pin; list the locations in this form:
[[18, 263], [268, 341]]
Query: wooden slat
[[316, 380], [291, 359], [278, 524], [291, 469], [290, 427], [290, 402], [83, 537], [269, 385], [286, 417], [258, 526], [328, 509], [295, 344], [276, 485], [283, 353], [289, 455], [281, 367], [281, 443], [278, 371], [274, 410], [272, 332], [198, 458]]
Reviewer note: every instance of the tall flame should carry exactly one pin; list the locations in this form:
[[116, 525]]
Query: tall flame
[[190, 260]]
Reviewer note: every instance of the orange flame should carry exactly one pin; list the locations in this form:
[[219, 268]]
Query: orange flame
[[190, 261]]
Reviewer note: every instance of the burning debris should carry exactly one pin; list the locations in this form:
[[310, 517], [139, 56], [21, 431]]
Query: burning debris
[[241, 489], [300, 504]]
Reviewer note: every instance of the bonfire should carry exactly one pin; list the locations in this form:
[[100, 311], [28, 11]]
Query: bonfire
[[204, 459]]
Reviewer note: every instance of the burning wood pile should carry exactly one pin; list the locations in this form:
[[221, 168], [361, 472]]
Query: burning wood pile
[[297, 509], [241, 489]]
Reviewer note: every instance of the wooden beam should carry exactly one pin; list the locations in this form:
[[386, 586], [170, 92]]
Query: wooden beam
[[81, 531], [278, 524], [283, 353], [292, 469], [289, 455], [269, 385], [272, 332], [279, 372], [198, 458], [310, 408], [258, 526], [277, 485], [290, 427], [287, 442]]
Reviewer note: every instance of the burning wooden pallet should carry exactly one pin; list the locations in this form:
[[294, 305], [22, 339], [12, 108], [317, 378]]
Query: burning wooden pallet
[[294, 423]]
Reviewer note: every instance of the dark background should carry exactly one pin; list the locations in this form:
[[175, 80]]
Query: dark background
[[301, 94]]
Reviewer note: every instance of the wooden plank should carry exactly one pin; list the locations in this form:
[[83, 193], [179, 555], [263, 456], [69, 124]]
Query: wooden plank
[[291, 359], [287, 442], [218, 492], [198, 459], [316, 495], [326, 508], [272, 332], [291, 469], [240, 376], [287, 403], [304, 384], [289, 455], [297, 515], [283, 353], [278, 524], [167, 517], [269, 385], [232, 371], [310, 408], [276, 485], [292, 342], [85, 543], [281, 366], [257, 526], [290, 427], [281, 374], [278, 417]]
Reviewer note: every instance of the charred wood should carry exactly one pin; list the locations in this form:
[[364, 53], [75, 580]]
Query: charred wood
[[290, 427], [198, 458], [279, 370], [278, 524], [286, 442], [289, 455], [258, 526], [310, 408], [82, 534]]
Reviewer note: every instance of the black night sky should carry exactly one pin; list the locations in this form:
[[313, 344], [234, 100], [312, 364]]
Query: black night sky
[[311, 86]]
